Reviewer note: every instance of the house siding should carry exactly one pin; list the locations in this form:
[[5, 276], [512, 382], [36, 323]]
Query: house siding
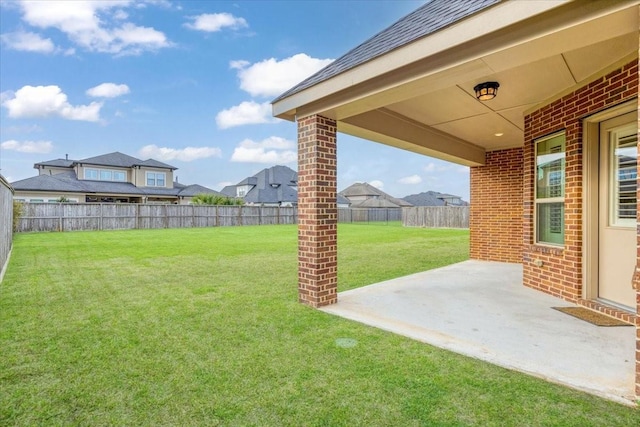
[[496, 207]]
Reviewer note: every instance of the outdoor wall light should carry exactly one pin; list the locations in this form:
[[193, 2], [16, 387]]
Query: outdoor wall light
[[487, 90]]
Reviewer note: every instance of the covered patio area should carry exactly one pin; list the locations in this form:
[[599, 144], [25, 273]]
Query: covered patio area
[[480, 309]]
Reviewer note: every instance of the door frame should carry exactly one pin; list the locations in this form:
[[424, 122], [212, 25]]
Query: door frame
[[590, 194]]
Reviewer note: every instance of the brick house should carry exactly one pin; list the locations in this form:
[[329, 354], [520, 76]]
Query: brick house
[[540, 99]]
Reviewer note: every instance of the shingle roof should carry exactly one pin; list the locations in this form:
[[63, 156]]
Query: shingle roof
[[274, 185], [360, 189], [195, 189], [427, 19], [118, 159], [61, 163], [429, 198], [67, 182]]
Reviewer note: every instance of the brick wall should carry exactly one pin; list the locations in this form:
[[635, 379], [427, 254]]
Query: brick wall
[[562, 270], [496, 207], [317, 211]]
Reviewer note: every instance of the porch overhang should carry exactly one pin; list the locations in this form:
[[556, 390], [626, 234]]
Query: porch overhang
[[419, 97]]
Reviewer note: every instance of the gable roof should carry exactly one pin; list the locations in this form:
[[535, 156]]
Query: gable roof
[[364, 189], [118, 159], [430, 198], [427, 19], [60, 163]]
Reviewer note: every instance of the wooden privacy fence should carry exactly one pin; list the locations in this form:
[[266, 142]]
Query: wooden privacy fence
[[123, 216], [436, 216], [369, 214], [6, 223]]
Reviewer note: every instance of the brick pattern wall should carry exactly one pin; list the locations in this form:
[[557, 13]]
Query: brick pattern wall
[[561, 270], [496, 207], [317, 211]]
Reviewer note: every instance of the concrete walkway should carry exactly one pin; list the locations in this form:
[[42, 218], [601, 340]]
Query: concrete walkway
[[481, 309]]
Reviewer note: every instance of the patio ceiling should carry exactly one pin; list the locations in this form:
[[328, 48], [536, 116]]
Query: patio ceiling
[[420, 97]]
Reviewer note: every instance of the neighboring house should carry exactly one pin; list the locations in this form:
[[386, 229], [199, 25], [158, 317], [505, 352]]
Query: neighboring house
[[553, 152], [365, 195], [274, 186], [109, 178], [434, 198]]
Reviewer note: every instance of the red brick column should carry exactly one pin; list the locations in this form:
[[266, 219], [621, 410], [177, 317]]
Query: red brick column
[[317, 212]]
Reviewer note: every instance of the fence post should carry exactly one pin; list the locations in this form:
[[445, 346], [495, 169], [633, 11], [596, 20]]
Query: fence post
[[60, 217], [240, 215]]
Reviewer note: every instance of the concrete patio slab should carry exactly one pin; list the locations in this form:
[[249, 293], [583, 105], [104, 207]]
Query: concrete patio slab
[[481, 309]]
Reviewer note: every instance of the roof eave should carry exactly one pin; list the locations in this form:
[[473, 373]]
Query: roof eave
[[318, 98]]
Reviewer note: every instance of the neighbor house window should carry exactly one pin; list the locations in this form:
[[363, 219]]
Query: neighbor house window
[[106, 175], [91, 174], [119, 176], [549, 193], [155, 179]]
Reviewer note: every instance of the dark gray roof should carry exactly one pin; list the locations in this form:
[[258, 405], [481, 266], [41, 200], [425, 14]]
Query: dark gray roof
[[375, 203], [195, 189], [67, 182], [343, 200], [60, 163], [431, 198], [427, 19], [274, 185], [117, 159], [365, 189], [156, 164]]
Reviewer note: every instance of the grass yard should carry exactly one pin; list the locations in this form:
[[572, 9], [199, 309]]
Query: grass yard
[[201, 327]]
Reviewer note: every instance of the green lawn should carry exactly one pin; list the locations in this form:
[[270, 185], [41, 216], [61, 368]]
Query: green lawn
[[195, 327]]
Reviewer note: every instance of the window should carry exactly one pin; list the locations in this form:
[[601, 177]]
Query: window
[[623, 161], [90, 174], [106, 175], [550, 180], [155, 179]]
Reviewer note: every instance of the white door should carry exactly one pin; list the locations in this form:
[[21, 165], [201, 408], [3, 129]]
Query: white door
[[617, 210]]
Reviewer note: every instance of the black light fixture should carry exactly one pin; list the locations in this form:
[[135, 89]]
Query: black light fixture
[[486, 91]]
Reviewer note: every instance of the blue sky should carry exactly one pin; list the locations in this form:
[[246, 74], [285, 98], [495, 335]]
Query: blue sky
[[188, 83]]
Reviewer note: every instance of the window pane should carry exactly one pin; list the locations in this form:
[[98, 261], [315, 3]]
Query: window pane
[[159, 180], [550, 223], [90, 174], [119, 176], [105, 175], [624, 161], [151, 179], [550, 163]]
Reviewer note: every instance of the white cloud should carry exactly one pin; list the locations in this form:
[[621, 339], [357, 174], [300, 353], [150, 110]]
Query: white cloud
[[437, 167], [377, 183], [187, 154], [272, 77], [274, 150], [28, 42], [213, 22], [94, 25], [49, 101], [108, 90], [39, 147], [247, 113], [412, 179]]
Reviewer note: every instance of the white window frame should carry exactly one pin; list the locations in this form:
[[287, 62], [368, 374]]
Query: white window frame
[[540, 201], [97, 172], [153, 177]]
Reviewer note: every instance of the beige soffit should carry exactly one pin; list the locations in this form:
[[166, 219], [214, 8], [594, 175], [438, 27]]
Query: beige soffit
[[496, 19]]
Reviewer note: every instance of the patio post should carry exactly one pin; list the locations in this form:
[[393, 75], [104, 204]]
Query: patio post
[[317, 211]]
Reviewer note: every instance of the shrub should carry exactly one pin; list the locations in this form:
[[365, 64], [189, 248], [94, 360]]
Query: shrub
[[17, 213], [214, 199]]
